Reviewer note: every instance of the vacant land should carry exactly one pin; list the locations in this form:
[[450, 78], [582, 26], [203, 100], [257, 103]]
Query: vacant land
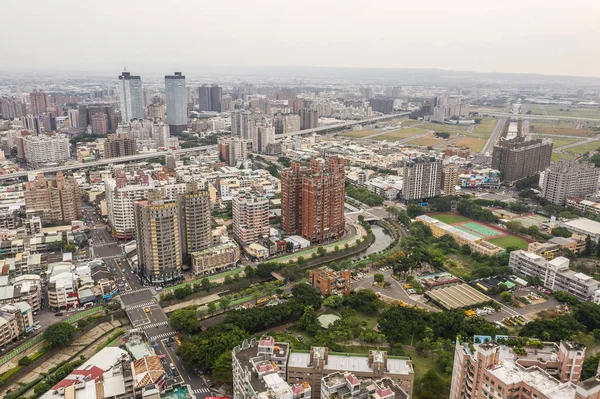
[[560, 130], [474, 143], [509, 241], [429, 140], [450, 218], [439, 127], [557, 156], [564, 110], [359, 133], [560, 141], [399, 134], [486, 126], [583, 148]]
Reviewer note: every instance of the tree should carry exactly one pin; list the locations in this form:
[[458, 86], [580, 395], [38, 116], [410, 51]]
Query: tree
[[289, 246], [184, 320], [225, 301], [364, 300], [227, 280], [333, 301], [222, 369], [59, 334], [41, 388], [211, 307], [306, 295], [589, 246], [205, 284], [379, 278], [24, 361], [561, 232], [414, 210], [506, 297], [321, 251], [309, 322]]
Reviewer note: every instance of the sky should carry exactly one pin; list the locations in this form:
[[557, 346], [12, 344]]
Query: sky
[[555, 37]]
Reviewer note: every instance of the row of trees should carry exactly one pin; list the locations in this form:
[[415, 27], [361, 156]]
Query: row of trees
[[363, 195]]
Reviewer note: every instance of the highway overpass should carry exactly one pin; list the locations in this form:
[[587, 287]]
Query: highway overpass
[[539, 117]]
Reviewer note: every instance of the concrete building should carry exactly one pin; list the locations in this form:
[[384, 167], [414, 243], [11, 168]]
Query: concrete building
[[493, 370], [131, 97], [119, 145], [62, 286], [156, 111], [309, 118], [421, 178], [233, 150], [584, 205], [121, 194], [158, 239], [12, 108], [99, 123], [250, 218], [286, 123], [583, 226], [312, 200], [518, 158], [242, 122], [263, 134], [210, 98], [319, 362], [55, 200], [194, 220], [39, 102], [569, 178], [382, 104], [449, 179], [39, 150], [259, 371], [555, 274], [177, 104], [330, 282], [459, 151], [215, 259], [347, 385], [549, 249]]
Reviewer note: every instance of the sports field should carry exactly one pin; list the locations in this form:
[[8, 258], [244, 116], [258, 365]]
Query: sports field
[[473, 233], [450, 218], [483, 230], [509, 241]]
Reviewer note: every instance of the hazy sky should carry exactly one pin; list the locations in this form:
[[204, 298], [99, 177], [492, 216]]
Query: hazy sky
[[533, 36]]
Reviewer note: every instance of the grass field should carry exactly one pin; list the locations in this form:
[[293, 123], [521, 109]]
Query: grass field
[[429, 140], [557, 156], [560, 130], [564, 110], [400, 134], [509, 241], [486, 126], [481, 228], [560, 141], [583, 148], [359, 133], [474, 143], [439, 127], [450, 218]]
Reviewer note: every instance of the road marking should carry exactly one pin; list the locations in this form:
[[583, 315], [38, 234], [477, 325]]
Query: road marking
[[172, 361]]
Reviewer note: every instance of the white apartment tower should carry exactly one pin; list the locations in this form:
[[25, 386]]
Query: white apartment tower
[[130, 94], [568, 178]]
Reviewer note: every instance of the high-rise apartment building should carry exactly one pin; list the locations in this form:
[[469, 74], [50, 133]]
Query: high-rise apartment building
[[33, 123], [119, 145], [55, 200], [121, 193], [195, 220], [569, 178], [74, 118], [286, 123], [242, 122], [312, 200], [39, 102], [250, 218], [156, 111], [176, 95], [422, 178], [216, 96], [518, 158], [494, 370], [263, 134], [42, 149], [99, 124], [309, 118], [131, 97], [157, 238], [449, 179], [233, 150], [385, 105], [12, 108], [209, 98]]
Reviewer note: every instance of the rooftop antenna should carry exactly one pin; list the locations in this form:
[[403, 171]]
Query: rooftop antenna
[[125, 66]]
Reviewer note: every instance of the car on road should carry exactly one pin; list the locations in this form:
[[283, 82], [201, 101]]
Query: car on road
[[147, 310]]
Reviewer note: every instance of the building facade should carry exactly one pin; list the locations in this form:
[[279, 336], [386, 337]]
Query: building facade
[[348, 386], [422, 178], [119, 145], [121, 195], [519, 158], [330, 282], [250, 218], [233, 150], [215, 258], [39, 150], [449, 179], [131, 97], [39, 102], [195, 220], [569, 178], [55, 200], [177, 104], [309, 118], [99, 123]]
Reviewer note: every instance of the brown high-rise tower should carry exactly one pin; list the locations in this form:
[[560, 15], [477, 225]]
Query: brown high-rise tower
[[55, 200]]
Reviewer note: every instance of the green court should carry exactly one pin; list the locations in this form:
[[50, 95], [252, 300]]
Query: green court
[[469, 231], [482, 229]]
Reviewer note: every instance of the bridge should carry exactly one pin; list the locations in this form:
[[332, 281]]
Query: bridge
[[544, 117]]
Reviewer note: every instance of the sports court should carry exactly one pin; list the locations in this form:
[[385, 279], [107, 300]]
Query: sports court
[[479, 230], [532, 220]]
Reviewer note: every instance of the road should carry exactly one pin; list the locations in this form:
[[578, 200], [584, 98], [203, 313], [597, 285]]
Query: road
[[565, 147], [489, 146], [544, 117]]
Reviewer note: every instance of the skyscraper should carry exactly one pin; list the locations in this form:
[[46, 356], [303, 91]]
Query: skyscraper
[[119, 145], [233, 150], [130, 94], [241, 123], [309, 118], [157, 238], [382, 104], [518, 158], [195, 220], [250, 218], [176, 95], [568, 178], [39, 102], [216, 95], [204, 98], [263, 134], [12, 108], [422, 178], [99, 123], [312, 200], [209, 98]]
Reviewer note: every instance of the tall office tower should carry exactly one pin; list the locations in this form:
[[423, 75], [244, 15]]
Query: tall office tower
[[176, 94], [99, 123], [157, 238], [495, 370], [309, 118], [74, 117], [250, 218], [130, 94], [12, 108], [382, 104], [449, 179], [46, 149], [518, 158], [156, 111], [32, 123], [568, 178], [263, 134], [195, 220], [216, 95], [233, 150], [312, 200], [39, 102], [204, 99], [119, 145], [241, 123], [121, 193], [422, 178], [55, 200]]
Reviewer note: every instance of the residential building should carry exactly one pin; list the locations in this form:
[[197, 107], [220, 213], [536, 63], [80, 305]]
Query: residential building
[[194, 220], [54, 200], [156, 111], [26, 288], [286, 123], [583, 226], [12, 108], [550, 248], [259, 371], [119, 145], [177, 104], [312, 366], [421, 178], [62, 286], [519, 158], [385, 105], [32, 123], [250, 218], [158, 238], [309, 118], [493, 370], [121, 194], [449, 179], [312, 200], [233, 150], [555, 274], [242, 122], [215, 258], [210, 98], [216, 98], [131, 97], [330, 282], [39, 150], [460, 151], [99, 123], [263, 134], [584, 205], [569, 178], [39, 102], [346, 385]]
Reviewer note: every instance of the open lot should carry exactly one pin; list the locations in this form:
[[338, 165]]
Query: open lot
[[557, 156], [359, 133], [559, 141], [559, 129], [400, 134], [583, 148], [564, 110], [487, 125], [449, 218], [429, 140], [474, 143], [508, 241], [439, 127]]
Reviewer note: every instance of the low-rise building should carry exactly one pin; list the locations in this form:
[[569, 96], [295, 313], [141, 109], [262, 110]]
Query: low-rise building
[[330, 282], [348, 386], [62, 286], [215, 258], [549, 249], [586, 227]]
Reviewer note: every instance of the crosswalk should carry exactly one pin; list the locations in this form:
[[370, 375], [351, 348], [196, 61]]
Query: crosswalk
[[153, 325], [163, 335], [201, 390], [135, 291], [140, 305]]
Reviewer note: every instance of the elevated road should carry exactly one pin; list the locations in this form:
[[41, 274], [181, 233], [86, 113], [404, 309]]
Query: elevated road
[[540, 117]]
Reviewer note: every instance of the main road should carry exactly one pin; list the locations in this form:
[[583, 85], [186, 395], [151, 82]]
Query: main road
[[545, 117]]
